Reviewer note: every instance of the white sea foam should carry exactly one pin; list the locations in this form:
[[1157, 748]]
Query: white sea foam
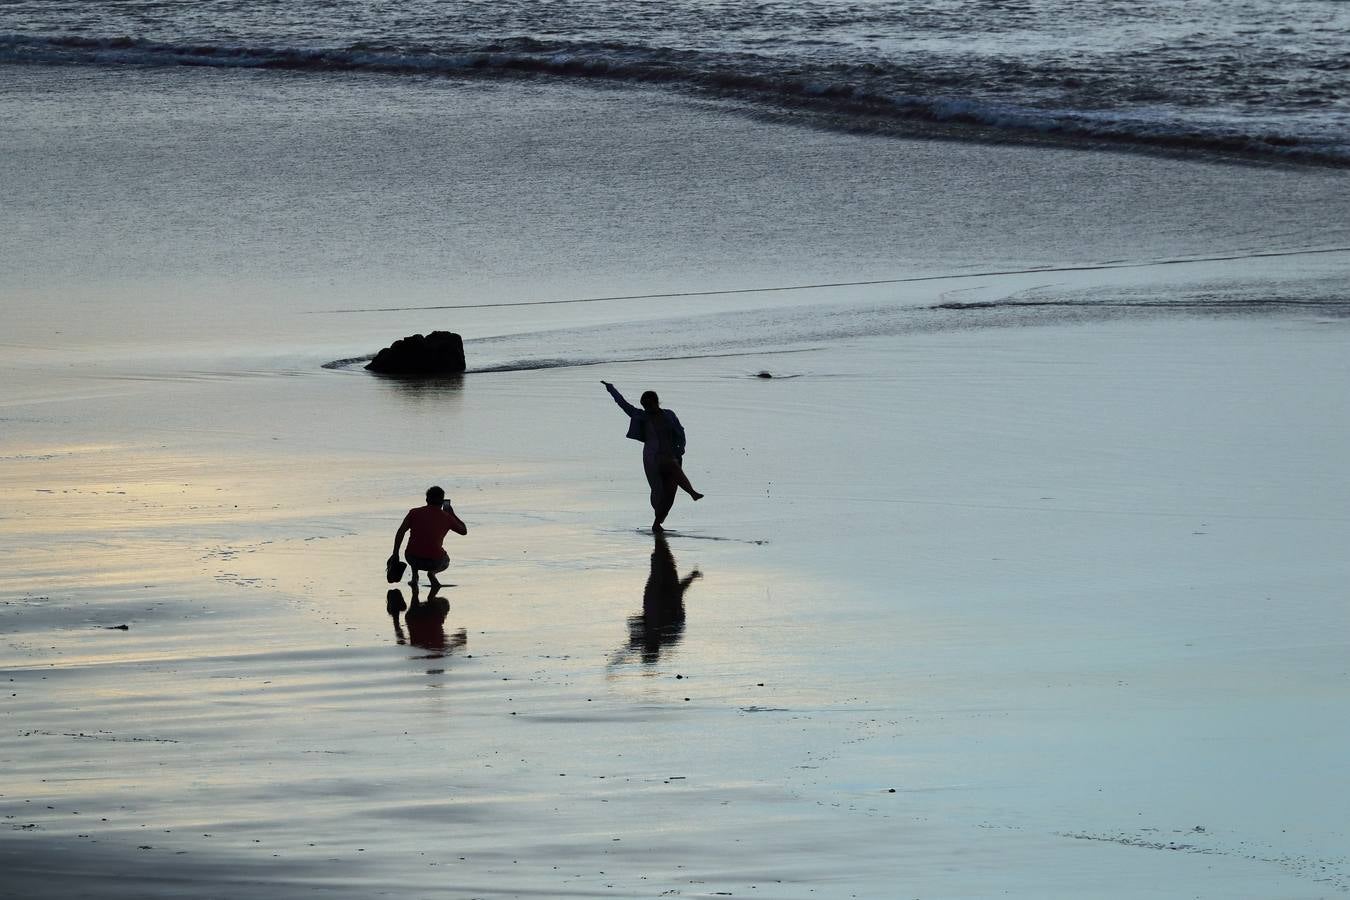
[[1257, 77]]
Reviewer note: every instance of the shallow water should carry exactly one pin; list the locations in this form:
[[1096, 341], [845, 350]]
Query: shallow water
[[152, 230]]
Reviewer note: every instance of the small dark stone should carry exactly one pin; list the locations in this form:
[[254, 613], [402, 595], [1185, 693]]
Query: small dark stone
[[764, 374], [438, 353]]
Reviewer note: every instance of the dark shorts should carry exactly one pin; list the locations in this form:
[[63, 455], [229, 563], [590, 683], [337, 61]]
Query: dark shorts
[[427, 564]]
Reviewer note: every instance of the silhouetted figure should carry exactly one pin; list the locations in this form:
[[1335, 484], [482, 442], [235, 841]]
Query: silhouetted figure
[[426, 626], [662, 621], [663, 441], [426, 623], [426, 551]]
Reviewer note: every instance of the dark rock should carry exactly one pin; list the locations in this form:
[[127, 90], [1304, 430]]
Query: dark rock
[[438, 353], [765, 374]]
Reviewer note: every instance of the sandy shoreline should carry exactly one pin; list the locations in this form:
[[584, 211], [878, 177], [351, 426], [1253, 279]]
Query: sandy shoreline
[[1055, 662], [1012, 600]]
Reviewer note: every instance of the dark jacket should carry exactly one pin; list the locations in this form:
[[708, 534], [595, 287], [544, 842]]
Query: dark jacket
[[637, 421]]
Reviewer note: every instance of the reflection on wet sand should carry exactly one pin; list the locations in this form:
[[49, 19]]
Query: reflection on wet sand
[[437, 388], [425, 622], [661, 623]]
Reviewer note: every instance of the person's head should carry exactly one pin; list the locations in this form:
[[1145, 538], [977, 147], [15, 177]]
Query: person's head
[[435, 496], [650, 402]]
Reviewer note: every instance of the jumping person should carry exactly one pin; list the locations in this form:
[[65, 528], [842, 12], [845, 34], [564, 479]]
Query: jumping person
[[662, 438], [429, 525]]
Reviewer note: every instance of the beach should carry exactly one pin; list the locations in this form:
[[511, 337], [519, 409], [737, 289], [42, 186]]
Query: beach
[[1021, 574]]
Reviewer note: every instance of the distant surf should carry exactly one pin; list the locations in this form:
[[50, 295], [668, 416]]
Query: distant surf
[[847, 93]]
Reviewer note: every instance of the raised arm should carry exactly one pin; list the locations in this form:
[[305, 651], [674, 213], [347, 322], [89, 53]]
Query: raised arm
[[618, 398], [456, 523]]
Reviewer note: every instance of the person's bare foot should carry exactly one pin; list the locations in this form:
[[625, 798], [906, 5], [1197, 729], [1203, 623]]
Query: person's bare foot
[[696, 495], [656, 528]]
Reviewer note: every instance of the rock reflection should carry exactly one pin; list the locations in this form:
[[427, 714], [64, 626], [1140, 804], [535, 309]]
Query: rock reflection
[[424, 388], [661, 623], [425, 621]]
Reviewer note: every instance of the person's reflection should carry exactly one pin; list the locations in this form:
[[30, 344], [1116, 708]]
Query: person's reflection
[[662, 621], [426, 623]]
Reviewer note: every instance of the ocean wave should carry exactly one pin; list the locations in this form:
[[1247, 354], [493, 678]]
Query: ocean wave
[[854, 98], [758, 333], [1216, 303]]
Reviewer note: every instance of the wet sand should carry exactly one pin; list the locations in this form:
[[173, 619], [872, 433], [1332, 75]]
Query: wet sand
[[1033, 641], [993, 601]]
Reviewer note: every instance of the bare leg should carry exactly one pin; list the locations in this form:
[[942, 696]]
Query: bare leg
[[657, 485], [663, 500], [683, 481]]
